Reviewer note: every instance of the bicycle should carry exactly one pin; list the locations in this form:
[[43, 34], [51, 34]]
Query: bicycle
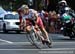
[[34, 38]]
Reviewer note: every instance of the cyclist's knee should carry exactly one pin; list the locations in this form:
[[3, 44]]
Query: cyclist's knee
[[28, 28]]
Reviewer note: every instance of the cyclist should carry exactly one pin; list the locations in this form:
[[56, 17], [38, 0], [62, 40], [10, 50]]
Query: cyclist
[[35, 19]]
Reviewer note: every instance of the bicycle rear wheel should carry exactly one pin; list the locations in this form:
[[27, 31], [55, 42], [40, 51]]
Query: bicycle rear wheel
[[50, 39]]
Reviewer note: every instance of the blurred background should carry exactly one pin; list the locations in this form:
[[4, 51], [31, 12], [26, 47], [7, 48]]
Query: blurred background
[[36, 4]]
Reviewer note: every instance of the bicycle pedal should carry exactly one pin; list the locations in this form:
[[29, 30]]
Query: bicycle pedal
[[43, 42], [49, 44]]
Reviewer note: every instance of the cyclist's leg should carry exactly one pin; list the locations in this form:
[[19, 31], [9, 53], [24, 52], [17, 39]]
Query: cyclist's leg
[[21, 25], [24, 26], [47, 40], [38, 31], [28, 28], [46, 37], [40, 23]]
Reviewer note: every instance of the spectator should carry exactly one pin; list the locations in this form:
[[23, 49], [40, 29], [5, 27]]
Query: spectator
[[52, 20]]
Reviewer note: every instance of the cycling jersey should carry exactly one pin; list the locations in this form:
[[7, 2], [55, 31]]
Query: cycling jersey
[[30, 15]]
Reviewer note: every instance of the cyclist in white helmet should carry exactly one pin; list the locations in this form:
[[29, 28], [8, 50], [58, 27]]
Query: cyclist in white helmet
[[33, 15]]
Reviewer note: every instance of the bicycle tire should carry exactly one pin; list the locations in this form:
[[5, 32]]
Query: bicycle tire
[[35, 40], [29, 38]]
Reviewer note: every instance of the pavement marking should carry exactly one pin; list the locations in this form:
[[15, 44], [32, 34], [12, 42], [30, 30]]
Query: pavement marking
[[51, 49], [6, 41], [63, 43], [44, 51], [56, 52]]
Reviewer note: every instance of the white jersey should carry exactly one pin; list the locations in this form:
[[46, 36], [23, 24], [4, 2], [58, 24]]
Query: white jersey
[[30, 15]]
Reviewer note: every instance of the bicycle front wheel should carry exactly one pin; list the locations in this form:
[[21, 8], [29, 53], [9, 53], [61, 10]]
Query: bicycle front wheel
[[35, 39]]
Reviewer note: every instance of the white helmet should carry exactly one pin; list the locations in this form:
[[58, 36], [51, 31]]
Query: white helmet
[[63, 1], [24, 7]]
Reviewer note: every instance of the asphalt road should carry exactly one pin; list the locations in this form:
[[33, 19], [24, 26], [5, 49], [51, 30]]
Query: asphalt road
[[12, 43]]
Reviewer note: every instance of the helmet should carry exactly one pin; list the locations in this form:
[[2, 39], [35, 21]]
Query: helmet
[[63, 1], [24, 7]]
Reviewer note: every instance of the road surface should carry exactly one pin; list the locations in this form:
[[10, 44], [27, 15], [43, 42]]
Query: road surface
[[12, 43]]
